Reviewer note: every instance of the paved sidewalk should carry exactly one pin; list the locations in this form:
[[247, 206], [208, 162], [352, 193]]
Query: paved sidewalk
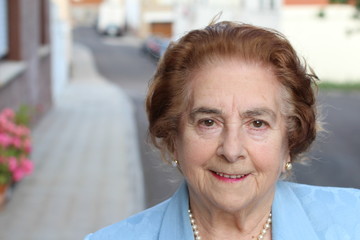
[[87, 165]]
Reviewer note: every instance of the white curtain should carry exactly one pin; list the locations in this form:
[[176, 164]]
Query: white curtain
[[4, 43]]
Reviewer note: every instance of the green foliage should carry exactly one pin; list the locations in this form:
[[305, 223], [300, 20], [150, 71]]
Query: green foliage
[[321, 13], [23, 115], [357, 4], [5, 174], [347, 86], [339, 1]]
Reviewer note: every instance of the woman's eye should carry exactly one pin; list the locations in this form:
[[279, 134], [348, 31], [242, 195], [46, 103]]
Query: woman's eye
[[258, 124], [207, 122]]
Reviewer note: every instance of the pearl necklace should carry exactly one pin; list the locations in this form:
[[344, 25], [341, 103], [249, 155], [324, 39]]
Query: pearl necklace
[[261, 235]]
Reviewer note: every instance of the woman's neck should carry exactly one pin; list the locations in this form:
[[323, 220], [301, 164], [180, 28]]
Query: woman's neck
[[246, 223]]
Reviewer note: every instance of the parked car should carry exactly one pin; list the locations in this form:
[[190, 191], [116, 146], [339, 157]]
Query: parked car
[[111, 19], [155, 46]]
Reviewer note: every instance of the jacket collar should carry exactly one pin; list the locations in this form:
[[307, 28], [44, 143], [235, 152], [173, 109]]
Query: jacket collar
[[176, 223], [290, 220]]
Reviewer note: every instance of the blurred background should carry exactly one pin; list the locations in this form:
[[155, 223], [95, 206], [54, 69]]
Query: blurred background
[[82, 68]]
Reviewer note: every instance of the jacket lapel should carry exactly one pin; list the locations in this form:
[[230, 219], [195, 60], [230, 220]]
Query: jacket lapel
[[290, 221], [176, 224]]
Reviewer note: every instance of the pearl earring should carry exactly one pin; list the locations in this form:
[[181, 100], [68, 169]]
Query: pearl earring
[[288, 166], [174, 163]]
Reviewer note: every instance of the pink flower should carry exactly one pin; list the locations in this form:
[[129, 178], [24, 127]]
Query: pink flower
[[9, 127], [12, 163], [8, 113], [3, 121], [27, 166], [27, 145], [5, 140], [23, 131], [16, 142], [18, 174]]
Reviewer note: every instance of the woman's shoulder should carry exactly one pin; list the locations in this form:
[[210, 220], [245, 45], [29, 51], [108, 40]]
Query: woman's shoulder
[[328, 204], [328, 195], [325, 212], [143, 225]]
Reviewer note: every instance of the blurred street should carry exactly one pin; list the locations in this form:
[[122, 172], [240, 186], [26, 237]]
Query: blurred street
[[336, 154], [87, 164], [121, 61]]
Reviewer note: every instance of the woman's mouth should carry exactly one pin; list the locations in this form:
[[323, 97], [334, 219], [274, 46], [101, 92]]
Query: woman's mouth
[[229, 177]]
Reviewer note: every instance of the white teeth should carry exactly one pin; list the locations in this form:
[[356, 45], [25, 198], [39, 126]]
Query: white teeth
[[230, 176]]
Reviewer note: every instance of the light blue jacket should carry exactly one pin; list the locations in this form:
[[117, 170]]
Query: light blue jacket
[[300, 212]]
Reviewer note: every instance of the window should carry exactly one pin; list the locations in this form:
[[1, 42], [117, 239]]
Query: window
[[4, 39]]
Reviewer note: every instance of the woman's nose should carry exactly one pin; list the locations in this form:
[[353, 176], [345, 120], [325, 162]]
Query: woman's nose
[[231, 146]]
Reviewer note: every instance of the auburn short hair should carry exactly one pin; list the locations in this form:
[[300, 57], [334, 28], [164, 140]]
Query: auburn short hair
[[169, 95]]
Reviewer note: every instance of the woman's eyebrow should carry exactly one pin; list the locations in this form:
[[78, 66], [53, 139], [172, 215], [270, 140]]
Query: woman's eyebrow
[[204, 110], [256, 112]]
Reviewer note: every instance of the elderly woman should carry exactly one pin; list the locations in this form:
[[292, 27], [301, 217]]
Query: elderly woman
[[232, 107]]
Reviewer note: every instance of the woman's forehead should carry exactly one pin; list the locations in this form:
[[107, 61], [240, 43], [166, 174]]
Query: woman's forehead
[[234, 82]]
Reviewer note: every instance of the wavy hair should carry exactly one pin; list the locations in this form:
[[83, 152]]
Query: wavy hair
[[169, 92]]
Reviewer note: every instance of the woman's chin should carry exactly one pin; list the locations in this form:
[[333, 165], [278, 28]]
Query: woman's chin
[[231, 194]]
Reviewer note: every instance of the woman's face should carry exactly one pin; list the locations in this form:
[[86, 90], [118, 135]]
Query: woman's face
[[232, 143]]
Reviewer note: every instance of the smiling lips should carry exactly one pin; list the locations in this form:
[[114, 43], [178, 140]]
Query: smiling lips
[[229, 177]]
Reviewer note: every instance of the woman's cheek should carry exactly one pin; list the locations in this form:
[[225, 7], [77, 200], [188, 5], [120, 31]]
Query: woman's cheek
[[267, 154], [199, 148]]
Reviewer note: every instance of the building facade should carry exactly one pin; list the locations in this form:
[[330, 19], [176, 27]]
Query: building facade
[[25, 60], [327, 34], [84, 12]]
